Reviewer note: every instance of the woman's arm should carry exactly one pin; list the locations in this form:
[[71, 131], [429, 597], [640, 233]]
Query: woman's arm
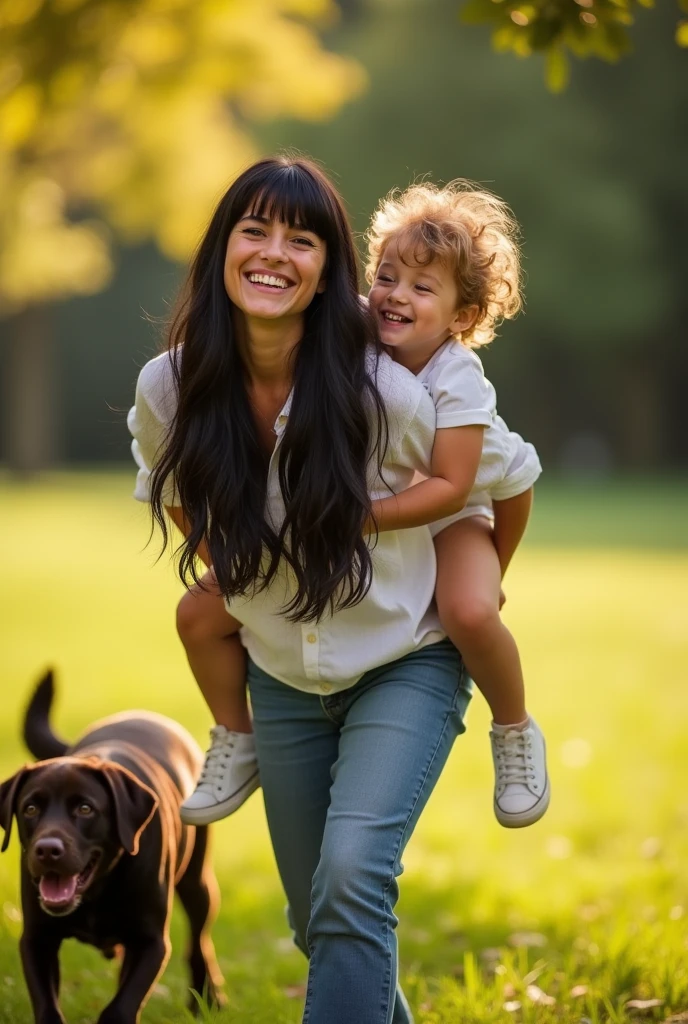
[[510, 521], [179, 519], [455, 459]]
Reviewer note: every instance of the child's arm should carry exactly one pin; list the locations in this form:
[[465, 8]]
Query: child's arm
[[510, 521], [455, 460], [177, 516]]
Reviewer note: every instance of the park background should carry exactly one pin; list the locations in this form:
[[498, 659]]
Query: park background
[[120, 124]]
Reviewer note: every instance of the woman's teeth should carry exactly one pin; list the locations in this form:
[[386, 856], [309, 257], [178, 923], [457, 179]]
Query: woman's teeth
[[274, 282]]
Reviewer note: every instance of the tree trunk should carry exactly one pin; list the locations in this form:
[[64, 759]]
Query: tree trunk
[[31, 428]]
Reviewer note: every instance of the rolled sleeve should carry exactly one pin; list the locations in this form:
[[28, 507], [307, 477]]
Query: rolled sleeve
[[462, 394], [149, 422], [522, 471]]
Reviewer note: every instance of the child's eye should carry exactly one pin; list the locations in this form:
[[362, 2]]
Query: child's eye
[[422, 288], [384, 278]]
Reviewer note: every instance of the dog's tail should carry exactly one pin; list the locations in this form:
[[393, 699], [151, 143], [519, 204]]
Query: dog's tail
[[38, 736]]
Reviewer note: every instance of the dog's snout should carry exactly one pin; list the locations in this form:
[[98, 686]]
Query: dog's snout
[[49, 850]]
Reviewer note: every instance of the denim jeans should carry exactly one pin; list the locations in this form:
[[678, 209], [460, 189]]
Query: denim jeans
[[345, 779]]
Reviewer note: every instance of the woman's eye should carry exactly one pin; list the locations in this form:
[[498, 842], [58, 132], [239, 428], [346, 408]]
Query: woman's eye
[[303, 241], [30, 811], [252, 231]]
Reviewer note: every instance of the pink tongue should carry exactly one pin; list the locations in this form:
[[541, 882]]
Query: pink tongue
[[54, 889]]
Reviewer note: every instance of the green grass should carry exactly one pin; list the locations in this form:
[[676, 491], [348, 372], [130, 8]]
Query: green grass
[[589, 906]]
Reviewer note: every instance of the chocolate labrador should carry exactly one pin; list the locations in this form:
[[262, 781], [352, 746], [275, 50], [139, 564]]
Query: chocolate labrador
[[103, 849]]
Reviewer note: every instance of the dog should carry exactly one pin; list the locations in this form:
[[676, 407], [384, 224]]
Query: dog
[[103, 850]]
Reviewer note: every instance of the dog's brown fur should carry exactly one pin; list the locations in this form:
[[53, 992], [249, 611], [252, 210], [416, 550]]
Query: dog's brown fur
[[106, 813]]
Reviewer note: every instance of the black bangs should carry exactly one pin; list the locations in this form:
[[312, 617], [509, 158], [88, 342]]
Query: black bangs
[[290, 193]]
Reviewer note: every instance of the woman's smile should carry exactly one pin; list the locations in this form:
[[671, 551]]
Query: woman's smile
[[271, 281]]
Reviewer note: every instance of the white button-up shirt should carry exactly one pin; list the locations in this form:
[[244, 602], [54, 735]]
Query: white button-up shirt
[[398, 613]]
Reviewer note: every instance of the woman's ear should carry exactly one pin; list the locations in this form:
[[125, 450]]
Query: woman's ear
[[322, 285], [464, 319]]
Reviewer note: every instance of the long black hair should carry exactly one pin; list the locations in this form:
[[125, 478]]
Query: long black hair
[[336, 424]]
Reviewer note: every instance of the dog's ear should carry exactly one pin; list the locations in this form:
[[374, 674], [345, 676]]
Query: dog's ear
[[134, 803], [8, 800]]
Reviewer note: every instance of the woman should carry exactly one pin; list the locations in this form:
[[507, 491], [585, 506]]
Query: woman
[[270, 427]]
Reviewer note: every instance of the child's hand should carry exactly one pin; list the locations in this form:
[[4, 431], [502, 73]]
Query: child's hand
[[502, 598]]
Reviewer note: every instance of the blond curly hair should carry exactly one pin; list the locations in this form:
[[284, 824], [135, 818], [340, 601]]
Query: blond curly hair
[[469, 230]]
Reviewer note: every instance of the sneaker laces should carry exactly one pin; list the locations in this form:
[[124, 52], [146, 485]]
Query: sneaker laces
[[513, 758], [215, 764]]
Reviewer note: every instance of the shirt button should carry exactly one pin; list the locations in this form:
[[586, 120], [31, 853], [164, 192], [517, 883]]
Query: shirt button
[[311, 638], [325, 687]]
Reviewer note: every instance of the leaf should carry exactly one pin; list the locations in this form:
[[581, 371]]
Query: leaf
[[557, 70], [682, 33], [503, 39]]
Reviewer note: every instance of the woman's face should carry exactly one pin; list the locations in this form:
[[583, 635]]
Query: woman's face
[[273, 270]]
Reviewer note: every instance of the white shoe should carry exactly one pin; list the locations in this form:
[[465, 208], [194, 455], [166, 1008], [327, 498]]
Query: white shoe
[[521, 794], [228, 777]]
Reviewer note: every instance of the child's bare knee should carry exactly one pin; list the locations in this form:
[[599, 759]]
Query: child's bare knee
[[192, 623], [471, 619]]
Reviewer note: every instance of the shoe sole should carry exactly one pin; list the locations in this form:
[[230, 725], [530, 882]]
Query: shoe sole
[[207, 815], [524, 818]]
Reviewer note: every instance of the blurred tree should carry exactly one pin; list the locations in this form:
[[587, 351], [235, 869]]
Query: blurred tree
[[597, 178], [585, 28], [127, 118]]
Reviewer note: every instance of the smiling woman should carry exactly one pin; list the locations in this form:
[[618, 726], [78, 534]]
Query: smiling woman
[[266, 433]]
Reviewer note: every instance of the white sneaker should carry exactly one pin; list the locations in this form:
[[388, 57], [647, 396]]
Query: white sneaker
[[228, 777], [521, 794]]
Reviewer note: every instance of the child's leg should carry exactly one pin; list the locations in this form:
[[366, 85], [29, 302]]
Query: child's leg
[[218, 661], [468, 590], [468, 584]]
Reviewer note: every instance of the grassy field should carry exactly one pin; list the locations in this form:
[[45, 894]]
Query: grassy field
[[581, 918]]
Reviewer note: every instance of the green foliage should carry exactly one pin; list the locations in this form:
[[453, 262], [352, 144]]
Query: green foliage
[[596, 177], [130, 115], [585, 28], [576, 918]]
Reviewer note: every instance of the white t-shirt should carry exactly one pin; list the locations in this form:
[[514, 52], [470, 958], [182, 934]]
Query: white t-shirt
[[396, 616], [463, 396]]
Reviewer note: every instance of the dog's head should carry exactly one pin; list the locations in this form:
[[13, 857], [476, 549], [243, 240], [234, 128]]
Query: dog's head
[[75, 816]]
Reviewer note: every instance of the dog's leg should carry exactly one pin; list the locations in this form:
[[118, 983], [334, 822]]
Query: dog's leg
[[145, 959], [199, 894], [39, 954]]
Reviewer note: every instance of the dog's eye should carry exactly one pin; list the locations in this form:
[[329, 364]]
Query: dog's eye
[[84, 810], [30, 811]]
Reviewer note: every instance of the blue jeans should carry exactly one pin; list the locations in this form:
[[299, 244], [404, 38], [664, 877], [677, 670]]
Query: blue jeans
[[345, 779]]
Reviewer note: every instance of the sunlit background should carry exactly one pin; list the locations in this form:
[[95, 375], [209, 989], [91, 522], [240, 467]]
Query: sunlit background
[[121, 123]]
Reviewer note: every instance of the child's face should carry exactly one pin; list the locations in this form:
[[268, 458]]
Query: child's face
[[417, 306], [273, 270]]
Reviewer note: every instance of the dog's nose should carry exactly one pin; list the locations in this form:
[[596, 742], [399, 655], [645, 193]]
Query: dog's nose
[[49, 850]]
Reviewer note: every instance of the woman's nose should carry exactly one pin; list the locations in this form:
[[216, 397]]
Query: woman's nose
[[274, 249]]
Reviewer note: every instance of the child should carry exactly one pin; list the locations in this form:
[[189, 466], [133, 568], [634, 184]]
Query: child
[[444, 270]]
